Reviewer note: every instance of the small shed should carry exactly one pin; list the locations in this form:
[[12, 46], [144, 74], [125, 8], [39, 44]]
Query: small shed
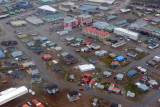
[[70, 38], [101, 53], [119, 77], [130, 94], [107, 74], [58, 48], [131, 73], [29, 44], [71, 77]]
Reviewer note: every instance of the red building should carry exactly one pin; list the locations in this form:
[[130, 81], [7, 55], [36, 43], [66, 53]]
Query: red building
[[70, 22], [84, 19]]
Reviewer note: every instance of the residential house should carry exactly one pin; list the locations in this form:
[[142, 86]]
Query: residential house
[[142, 87], [93, 59], [114, 89], [119, 77], [130, 94], [100, 86], [131, 73], [119, 59], [52, 89], [33, 70], [107, 74], [16, 53], [73, 96], [101, 53], [152, 83], [95, 46], [36, 78], [115, 63], [70, 59]]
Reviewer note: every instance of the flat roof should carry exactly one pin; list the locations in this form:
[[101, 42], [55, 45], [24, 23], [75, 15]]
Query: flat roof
[[46, 7], [34, 20]]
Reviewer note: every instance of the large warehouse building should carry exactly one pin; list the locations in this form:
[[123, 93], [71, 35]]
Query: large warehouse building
[[12, 93], [45, 9], [34, 20], [126, 33], [103, 1]]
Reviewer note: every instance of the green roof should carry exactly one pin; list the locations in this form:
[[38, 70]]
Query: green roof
[[79, 39], [30, 44], [54, 16], [156, 30]]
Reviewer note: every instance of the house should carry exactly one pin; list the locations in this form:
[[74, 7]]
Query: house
[[70, 22], [141, 69], [119, 77], [119, 59], [52, 89], [86, 67], [46, 57], [70, 38], [58, 48], [46, 9], [37, 103], [142, 87], [67, 6], [100, 86], [144, 79], [131, 73], [70, 59], [95, 46], [93, 59], [86, 78], [36, 78], [17, 74], [131, 53], [85, 42], [130, 94], [86, 49], [16, 53], [112, 55], [33, 70], [100, 53], [152, 63], [107, 74], [114, 89], [29, 44], [100, 25], [28, 64], [115, 63], [156, 58], [73, 96], [152, 83], [84, 19]]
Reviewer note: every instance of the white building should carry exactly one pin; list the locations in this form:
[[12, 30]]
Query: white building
[[12, 93], [86, 67], [126, 33], [103, 1]]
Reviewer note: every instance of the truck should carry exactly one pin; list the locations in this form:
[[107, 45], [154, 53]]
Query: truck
[[61, 33], [37, 103]]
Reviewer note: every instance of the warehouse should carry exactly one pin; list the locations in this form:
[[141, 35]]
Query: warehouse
[[4, 16], [12, 93], [24, 4], [87, 7], [138, 24], [18, 23], [70, 22], [54, 17], [111, 17], [67, 6], [44, 2], [84, 19], [94, 33], [126, 33], [103, 1], [45, 9], [34, 20], [100, 25], [120, 22]]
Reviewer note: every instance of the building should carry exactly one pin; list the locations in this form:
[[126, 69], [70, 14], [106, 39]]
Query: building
[[18, 23], [111, 17], [70, 22], [107, 74], [156, 33], [34, 20], [93, 59], [138, 24], [36, 78], [3, 1], [28, 64], [45, 2], [120, 22], [152, 83], [126, 33], [67, 6], [52, 89], [131, 73], [46, 57], [16, 53], [86, 67], [95, 46], [87, 7], [100, 86], [73, 96], [33, 70], [119, 77], [103, 1], [125, 10], [45, 9], [104, 6], [119, 58], [100, 25], [142, 87], [84, 19], [2, 54], [94, 33], [24, 4], [12, 93], [100, 53], [130, 94], [54, 17], [113, 89], [37, 103], [69, 59]]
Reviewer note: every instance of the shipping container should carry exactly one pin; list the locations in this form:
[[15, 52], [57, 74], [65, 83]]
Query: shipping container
[[109, 18]]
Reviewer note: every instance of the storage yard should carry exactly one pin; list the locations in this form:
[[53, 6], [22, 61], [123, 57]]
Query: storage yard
[[93, 53]]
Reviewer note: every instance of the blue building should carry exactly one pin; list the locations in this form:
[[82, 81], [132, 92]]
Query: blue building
[[2, 54], [24, 4], [131, 73], [119, 58], [120, 22]]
